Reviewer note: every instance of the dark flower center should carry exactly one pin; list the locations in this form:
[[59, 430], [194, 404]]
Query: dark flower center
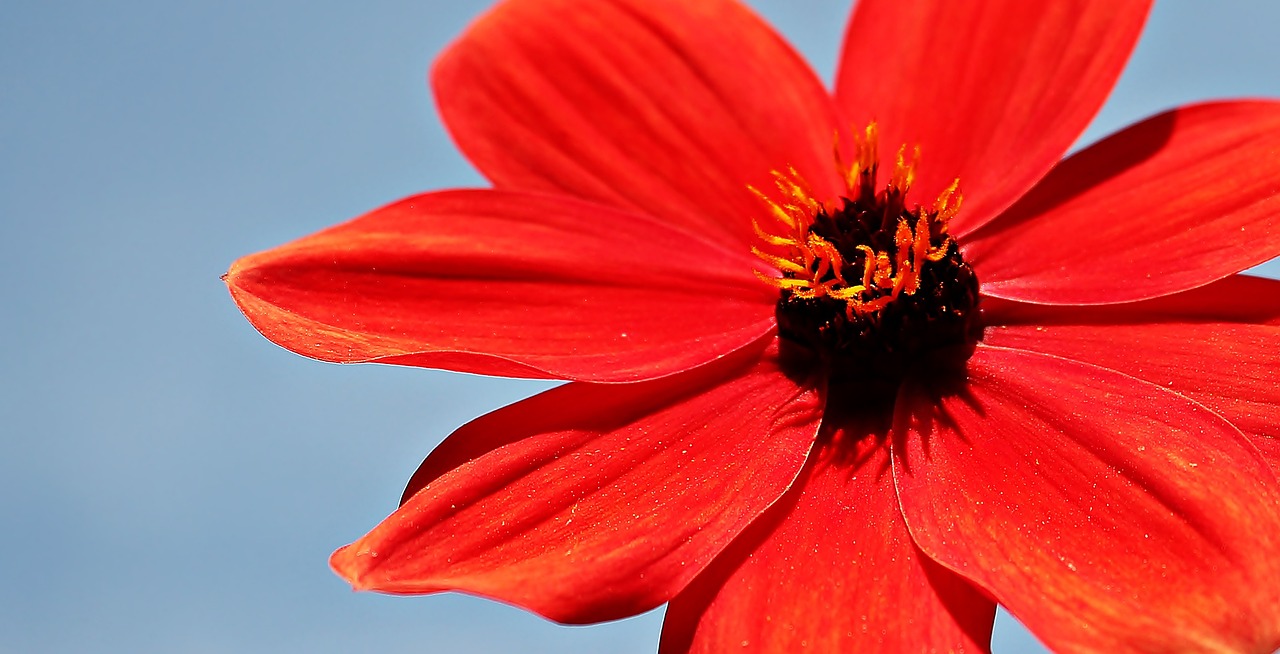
[[875, 288]]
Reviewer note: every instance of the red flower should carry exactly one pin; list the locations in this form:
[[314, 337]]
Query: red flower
[[858, 423]]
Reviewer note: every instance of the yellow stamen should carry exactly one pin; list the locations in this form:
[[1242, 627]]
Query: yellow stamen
[[865, 148], [783, 264], [904, 172], [776, 210], [884, 270], [769, 238], [868, 147]]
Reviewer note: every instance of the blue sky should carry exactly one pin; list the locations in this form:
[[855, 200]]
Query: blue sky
[[169, 480]]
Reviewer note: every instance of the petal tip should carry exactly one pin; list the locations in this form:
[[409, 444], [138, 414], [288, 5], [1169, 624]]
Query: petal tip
[[236, 273], [354, 563]]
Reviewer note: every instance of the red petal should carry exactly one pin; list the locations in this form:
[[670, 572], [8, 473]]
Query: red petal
[[830, 569], [1238, 298], [993, 92], [1104, 512], [1218, 345], [506, 284], [668, 106], [595, 502], [1169, 204]]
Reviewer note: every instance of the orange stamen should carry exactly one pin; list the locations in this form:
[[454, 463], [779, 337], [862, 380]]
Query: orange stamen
[[813, 266]]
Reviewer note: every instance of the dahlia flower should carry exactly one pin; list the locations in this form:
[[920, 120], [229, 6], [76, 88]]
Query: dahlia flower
[[845, 369]]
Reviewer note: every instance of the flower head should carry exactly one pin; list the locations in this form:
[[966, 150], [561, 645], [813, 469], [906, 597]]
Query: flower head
[[840, 400]]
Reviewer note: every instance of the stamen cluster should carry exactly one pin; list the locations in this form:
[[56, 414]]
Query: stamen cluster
[[868, 281]]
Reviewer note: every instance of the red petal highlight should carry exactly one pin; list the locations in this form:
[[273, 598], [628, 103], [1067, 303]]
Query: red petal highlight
[[506, 284], [667, 106], [1108, 514], [1169, 204], [1218, 345], [830, 569], [595, 502], [993, 92]]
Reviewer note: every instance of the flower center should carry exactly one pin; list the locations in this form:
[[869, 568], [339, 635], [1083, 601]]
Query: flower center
[[876, 288]]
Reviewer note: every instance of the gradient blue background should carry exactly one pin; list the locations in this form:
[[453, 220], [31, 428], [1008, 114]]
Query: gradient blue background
[[169, 480]]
